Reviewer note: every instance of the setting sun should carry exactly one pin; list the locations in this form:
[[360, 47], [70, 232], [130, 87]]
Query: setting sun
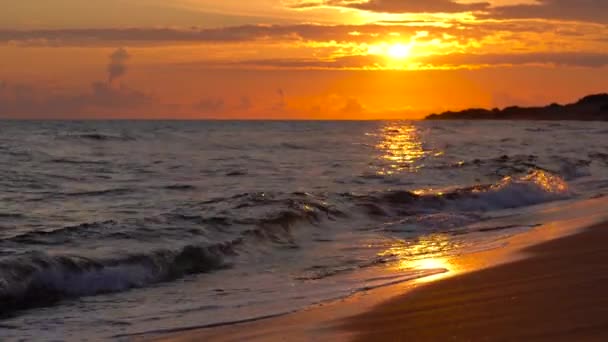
[[398, 51], [378, 169]]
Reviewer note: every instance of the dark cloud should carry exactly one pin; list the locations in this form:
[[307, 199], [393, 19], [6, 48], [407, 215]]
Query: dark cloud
[[455, 60], [117, 67], [155, 35], [305, 63], [402, 6], [20, 100], [306, 32], [571, 59], [369, 33], [352, 106], [577, 10]]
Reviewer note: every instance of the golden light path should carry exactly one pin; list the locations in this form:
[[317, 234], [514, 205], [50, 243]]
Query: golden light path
[[401, 146], [428, 253]]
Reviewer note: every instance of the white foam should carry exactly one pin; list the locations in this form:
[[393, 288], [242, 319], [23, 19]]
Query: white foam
[[535, 188]]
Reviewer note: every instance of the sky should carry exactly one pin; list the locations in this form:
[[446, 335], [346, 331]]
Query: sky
[[295, 59]]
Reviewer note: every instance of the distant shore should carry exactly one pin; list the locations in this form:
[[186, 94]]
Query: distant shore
[[589, 108]]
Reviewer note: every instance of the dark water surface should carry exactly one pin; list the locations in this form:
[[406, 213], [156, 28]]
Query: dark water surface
[[111, 228]]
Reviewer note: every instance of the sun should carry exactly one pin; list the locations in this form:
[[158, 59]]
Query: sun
[[398, 51], [395, 51]]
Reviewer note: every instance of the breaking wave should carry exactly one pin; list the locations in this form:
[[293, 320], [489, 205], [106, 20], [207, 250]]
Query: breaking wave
[[534, 188], [255, 221], [41, 279]]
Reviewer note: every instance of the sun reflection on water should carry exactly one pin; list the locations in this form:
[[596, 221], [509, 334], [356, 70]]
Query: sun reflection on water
[[400, 147], [428, 253]]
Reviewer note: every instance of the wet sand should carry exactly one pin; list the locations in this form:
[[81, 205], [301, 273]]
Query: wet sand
[[559, 293]]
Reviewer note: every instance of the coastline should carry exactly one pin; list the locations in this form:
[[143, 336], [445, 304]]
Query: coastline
[[589, 108], [484, 295], [558, 293]]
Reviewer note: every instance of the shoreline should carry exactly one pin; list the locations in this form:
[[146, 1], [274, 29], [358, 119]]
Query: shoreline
[[371, 315], [558, 293]]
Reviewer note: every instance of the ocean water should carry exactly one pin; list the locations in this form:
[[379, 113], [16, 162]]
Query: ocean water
[[109, 229]]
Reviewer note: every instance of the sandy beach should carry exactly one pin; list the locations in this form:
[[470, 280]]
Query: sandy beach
[[547, 284], [557, 294]]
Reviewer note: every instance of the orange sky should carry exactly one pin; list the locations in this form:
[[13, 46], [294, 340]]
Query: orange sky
[[321, 59]]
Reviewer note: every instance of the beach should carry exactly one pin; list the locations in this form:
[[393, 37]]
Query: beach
[[548, 284], [266, 232], [556, 294]]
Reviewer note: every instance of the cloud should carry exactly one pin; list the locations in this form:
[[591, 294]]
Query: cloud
[[117, 66], [102, 36], [445, 61], [330, 105], [401, 6], [345, 62], [577, 10], [570, 59], [352, 106], [220, 106], [210, 105], [21, 100], [311, 33], [235, 34]]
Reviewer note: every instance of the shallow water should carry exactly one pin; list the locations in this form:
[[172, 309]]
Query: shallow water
[[114, 228]]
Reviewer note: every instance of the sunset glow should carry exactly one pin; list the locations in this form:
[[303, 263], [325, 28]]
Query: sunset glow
[[383, 58]]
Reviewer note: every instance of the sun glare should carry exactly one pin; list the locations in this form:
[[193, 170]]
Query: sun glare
[[398, 51]]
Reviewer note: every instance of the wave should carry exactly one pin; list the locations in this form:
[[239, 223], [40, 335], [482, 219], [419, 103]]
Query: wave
[[41, 279], [98, 137], [117, 191], [178, 187], [45, 195], [535, 188], [255, 223], [292, 146], [273, 226], [271, 217], [236, 173], [78, 162], [599, 156], [568, 168], [11, 215], [62, 235]]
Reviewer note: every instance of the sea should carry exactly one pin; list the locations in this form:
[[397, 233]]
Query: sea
[[112, 229]]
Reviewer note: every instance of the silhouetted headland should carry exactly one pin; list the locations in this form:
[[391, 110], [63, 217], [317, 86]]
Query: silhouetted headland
[[589, 108]]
